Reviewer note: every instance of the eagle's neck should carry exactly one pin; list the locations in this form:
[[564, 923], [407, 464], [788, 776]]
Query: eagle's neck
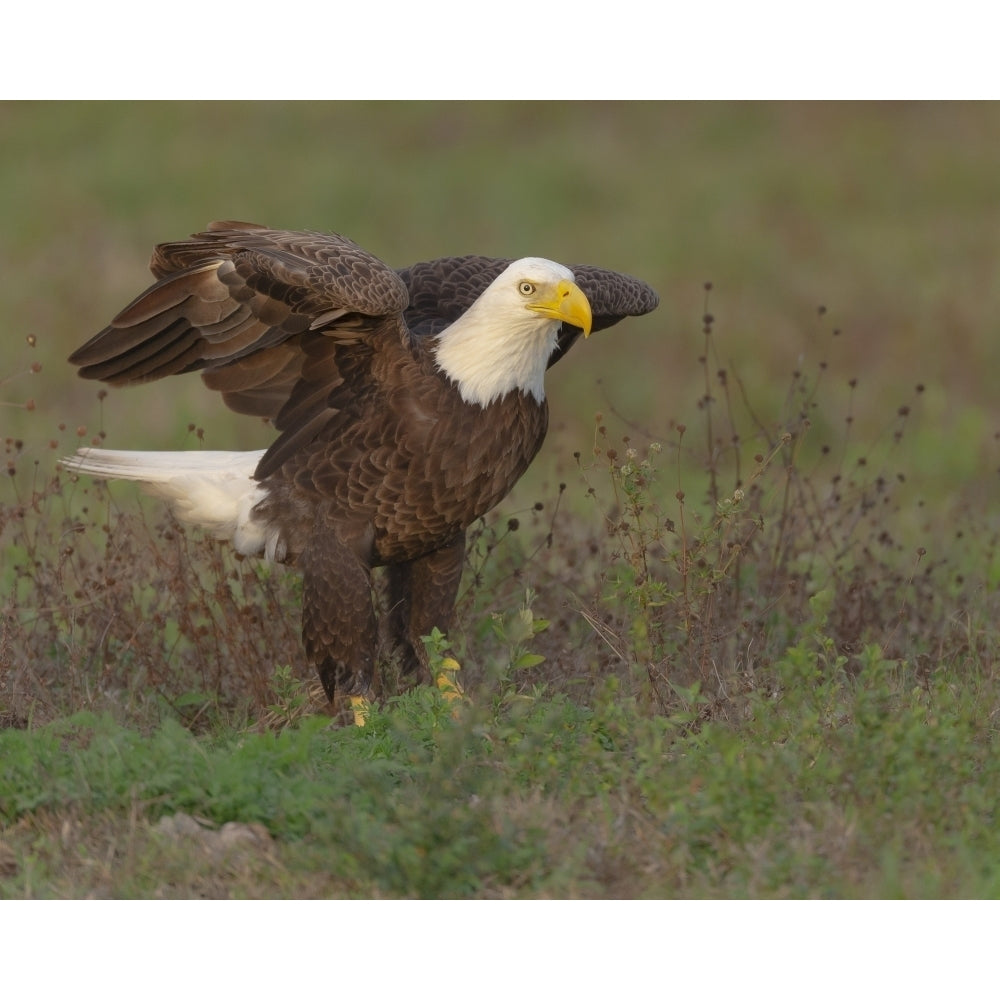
[[487, 355]]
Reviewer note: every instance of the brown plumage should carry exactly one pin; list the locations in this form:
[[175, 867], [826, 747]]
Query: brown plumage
[[404, 414]]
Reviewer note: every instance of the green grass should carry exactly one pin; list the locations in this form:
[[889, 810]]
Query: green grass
[[547, 798], [734, 636]]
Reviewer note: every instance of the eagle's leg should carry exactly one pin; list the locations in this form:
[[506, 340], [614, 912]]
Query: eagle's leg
[[421, 598], [339, 629]]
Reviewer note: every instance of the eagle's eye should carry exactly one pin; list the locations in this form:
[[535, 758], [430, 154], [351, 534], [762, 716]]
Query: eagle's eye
[[526, 288]]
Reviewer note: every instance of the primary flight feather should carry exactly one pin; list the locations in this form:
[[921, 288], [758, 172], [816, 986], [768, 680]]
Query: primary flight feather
[[408, 403]]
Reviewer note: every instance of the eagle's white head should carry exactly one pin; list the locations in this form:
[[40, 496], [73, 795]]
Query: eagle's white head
[[504, 340]]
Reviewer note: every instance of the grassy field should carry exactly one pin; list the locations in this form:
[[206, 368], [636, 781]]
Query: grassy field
[[734, 634]]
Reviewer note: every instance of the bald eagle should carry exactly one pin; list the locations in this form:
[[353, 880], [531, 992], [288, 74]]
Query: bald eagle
[[407, 404]]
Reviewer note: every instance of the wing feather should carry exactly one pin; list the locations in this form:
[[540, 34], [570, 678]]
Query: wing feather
[[259, 384]]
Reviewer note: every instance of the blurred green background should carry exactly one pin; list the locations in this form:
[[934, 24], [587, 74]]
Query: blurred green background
[[889, 215]]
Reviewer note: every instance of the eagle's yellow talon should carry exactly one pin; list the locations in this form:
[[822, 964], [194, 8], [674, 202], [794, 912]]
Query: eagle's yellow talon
[[446, 680], [360, 706]]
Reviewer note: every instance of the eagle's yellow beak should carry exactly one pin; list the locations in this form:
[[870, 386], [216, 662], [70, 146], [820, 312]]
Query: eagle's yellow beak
[[567, 304]]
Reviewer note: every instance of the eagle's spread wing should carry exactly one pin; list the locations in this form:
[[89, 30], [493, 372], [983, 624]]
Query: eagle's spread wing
[[235, 303], [268, 317]]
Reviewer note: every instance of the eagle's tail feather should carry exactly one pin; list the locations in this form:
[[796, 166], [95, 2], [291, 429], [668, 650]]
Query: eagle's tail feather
[[212, 489]]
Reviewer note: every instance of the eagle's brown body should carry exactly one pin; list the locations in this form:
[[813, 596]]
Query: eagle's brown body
[[380, 459], [405, 468]]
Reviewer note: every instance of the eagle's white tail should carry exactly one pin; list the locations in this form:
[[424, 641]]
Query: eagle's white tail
[[212, 489]]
